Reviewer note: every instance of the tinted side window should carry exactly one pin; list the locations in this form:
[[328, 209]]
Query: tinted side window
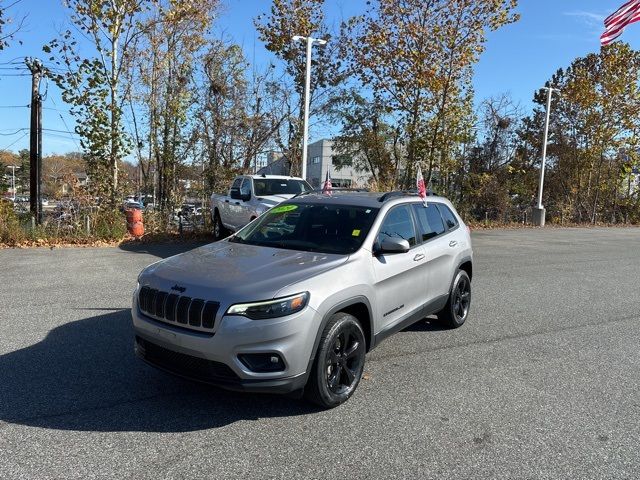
[[449, 218], [245, 189], [398, 224], [429, 220], [236, 183]]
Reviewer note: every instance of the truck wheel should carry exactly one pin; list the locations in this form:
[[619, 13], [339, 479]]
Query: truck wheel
[[218, 228], [339, 362]]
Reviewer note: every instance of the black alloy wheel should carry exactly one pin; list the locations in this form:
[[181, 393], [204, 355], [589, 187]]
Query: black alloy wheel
[[339, 362], [462, 299], [345, 360], [456, 311]]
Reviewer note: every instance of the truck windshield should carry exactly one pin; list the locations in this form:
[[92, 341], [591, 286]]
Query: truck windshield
[[310, 227], [279, 186]]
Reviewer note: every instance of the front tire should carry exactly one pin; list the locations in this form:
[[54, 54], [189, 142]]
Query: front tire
[[339, 362], [218, 228], [456, 311]]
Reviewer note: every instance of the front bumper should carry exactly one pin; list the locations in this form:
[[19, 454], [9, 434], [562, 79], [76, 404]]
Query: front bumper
[[210, 372], [213, 358]]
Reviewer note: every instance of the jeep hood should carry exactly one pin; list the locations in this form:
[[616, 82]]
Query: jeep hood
[[233, 272]]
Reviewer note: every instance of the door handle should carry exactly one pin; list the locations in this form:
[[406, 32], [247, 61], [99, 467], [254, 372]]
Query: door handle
[[453, 243], [418, 257]]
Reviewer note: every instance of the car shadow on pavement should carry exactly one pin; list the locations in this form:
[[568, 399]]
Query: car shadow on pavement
[[428, 324], [85, 376], [161, 250]]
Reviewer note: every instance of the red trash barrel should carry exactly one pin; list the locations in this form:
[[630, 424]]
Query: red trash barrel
[[136, 229], [134, 222], [134, 215]]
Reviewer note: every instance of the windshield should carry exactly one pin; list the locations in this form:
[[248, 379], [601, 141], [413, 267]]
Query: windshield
[[279, 186], [310, 227]]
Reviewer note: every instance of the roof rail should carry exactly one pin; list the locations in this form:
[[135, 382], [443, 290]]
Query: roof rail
[[402, 193], [320, 190]]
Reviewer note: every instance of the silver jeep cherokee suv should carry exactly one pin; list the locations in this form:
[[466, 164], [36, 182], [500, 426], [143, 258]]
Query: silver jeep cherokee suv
[[293, 301]]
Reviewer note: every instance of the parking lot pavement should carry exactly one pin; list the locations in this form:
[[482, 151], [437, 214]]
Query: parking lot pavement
[[542, 382]]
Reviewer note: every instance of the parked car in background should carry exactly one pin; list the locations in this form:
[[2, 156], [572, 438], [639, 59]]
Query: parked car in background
[[293, 301], [128, 205], [249, 197]]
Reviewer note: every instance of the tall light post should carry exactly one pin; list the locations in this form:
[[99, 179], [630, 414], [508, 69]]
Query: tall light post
[[307, 87], [13, 179], [539, 212]]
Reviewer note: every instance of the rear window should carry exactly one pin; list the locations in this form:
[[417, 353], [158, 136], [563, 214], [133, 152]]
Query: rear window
[[429, 220], [278, 186], [449, 218]]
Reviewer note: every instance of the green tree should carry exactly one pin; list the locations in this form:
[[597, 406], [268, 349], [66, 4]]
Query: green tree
[[593, 136], [417, 56], [166, 73], [92, 85], [366, 140], [23, 175], [8, 27], [286, 19]]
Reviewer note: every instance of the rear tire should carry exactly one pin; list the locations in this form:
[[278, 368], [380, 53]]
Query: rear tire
[[339, 362], [456, 311]]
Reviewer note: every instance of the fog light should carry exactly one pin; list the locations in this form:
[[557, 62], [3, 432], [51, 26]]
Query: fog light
[[262, 362]]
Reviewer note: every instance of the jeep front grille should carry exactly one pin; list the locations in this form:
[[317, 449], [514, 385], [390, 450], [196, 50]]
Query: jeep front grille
[[193, 313]]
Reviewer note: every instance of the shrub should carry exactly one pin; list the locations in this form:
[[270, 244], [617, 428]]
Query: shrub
[[108, 225], [11, 231]]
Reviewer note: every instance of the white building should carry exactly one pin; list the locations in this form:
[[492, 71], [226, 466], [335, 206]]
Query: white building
[[319, 161]]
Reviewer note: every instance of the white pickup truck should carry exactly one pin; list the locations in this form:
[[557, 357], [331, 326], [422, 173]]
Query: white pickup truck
[[249, 197]]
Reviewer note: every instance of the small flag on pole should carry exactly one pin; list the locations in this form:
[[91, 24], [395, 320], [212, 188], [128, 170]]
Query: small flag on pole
[[420, 185], [616, 22], [326, 188]]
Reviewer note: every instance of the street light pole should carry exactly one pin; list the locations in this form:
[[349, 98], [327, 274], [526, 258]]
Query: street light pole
[[13, 180], [539, 212], [307, 87]]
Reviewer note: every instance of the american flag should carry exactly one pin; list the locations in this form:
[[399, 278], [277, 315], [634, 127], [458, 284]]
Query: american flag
[[616, 22], [326, 188], [421, 186]]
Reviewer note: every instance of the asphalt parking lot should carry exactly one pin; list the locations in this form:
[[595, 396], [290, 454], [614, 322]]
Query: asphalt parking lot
[[542, 382]]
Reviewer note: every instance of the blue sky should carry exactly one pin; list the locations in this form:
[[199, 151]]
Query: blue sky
[[518, 59]]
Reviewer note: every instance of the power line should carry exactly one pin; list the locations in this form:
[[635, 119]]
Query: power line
[[65, 124], [14, 142], [65, 137], [14, 132], [14, 106], [13, 61], [58, 131]]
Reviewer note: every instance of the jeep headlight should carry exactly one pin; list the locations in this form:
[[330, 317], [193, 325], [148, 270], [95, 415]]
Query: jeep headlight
[[279, 307]]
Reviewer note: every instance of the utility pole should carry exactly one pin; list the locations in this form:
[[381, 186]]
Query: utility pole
[[307, 87], [539, 212], [35, 141]]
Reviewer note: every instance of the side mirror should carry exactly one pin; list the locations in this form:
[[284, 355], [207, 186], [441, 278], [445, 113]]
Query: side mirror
[[234, 193], [245, 197], [394, 245]]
